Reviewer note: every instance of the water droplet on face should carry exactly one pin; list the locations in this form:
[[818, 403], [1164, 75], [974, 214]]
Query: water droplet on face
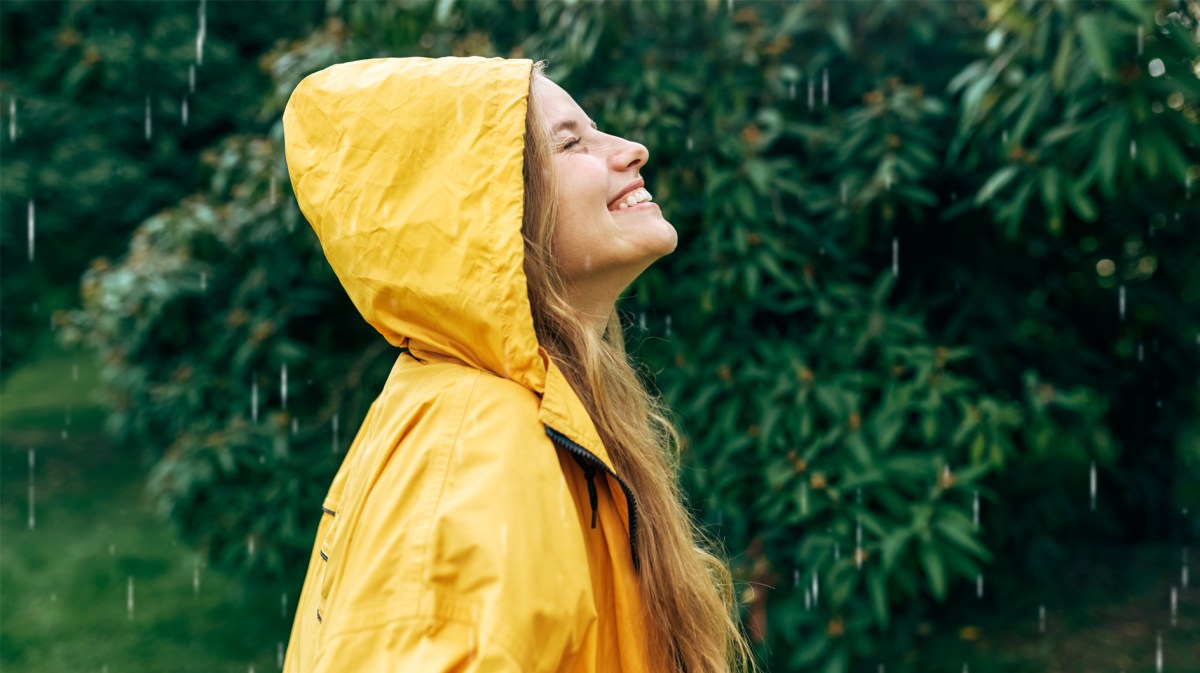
[[1156, 68]]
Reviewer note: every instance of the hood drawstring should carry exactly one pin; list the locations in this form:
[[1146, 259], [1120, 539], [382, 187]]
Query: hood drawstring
[[589, 473]]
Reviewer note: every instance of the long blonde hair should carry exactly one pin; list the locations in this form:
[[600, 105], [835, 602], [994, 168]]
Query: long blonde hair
[[687, 590]]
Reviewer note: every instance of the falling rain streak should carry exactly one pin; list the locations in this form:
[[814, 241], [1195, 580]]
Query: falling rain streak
[[1158, 659], [1183, 571], [1174, 606], [191, 79], [335, 433], [200, 37], [196, 578], [1093, 485], [976, 508], [31, 228], [283, 384], [183, 110], [1041, 619], [254, 401], [129, 596], [895, 257], [979, 586], [148, 124], [1121, 295], [12, 120]]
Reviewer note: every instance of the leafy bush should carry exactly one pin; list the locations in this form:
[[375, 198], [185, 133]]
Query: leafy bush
[[847, 331]]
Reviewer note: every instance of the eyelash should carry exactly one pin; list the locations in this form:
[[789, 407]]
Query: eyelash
[[571, 142]]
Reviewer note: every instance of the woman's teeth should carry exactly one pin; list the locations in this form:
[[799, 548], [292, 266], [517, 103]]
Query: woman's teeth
[[639, 195]]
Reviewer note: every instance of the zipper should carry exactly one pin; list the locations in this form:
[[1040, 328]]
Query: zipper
[[581, 453]]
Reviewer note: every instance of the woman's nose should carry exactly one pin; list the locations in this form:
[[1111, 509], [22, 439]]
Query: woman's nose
[[630, 155]]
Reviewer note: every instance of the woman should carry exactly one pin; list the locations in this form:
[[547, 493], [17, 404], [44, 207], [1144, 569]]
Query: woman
[[509, 502]]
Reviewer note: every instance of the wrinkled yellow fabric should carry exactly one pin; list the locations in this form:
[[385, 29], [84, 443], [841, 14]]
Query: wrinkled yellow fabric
[[456, 535]]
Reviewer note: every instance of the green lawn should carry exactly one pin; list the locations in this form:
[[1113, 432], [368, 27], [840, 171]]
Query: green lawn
[[65, 581]]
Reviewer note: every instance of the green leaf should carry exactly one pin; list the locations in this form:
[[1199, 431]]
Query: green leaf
[[934, 570], [893, 545], [1092, 35], [962, 538], [877, 588], [995, 183]]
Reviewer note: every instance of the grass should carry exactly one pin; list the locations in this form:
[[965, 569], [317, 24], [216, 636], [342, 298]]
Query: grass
[[65, 577]]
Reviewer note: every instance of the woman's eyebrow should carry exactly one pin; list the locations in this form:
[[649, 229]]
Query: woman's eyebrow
[[570, 124]]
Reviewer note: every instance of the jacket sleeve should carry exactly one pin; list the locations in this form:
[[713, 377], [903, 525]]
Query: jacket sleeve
[[485, 569]]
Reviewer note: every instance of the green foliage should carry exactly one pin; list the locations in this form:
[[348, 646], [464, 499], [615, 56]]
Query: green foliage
[[856, 334]]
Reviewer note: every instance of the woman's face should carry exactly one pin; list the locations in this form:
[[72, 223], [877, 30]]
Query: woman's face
[[596, 241]]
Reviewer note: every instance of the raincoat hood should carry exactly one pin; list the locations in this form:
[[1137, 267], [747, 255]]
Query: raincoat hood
[[410, 172]]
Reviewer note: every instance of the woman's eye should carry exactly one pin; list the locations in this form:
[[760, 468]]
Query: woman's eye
[[569, 143]]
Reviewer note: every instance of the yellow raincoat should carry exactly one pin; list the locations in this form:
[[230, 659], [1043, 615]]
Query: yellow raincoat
[[476, 523]]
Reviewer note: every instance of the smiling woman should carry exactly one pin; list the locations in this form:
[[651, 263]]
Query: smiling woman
[[510, 501]]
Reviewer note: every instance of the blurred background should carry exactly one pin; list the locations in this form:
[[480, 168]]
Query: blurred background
[[932, 330]]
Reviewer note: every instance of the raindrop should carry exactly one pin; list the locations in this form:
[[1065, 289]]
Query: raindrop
[[642, 321], [1183, 572], [795, 577], [1004, 137], [1140, 358], [979, 586], [335, 433], [844, 194], [810, 94], [668, 327], [283, 605], [1174, 605], [1132, 149], [283, 383], [12, 119], [804, 498], [1122, 301], [1140, 40], [251, 669], [32, 519], [254, 401], [825, 86], [129, 596], [279, 653], [1093, 475], [965, 670], [858, 543], [200, 37], [31, 219], [729, 5], [976, 508], [183, 110], [196, 578], [203, 281], [815, 589], [1157, 68], [148, 125], [1158, 654], [807, 600], [895, 256], [250, 542], [837, 552], [1041, 619], [295, 425], [690, 143], [191, 79]]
